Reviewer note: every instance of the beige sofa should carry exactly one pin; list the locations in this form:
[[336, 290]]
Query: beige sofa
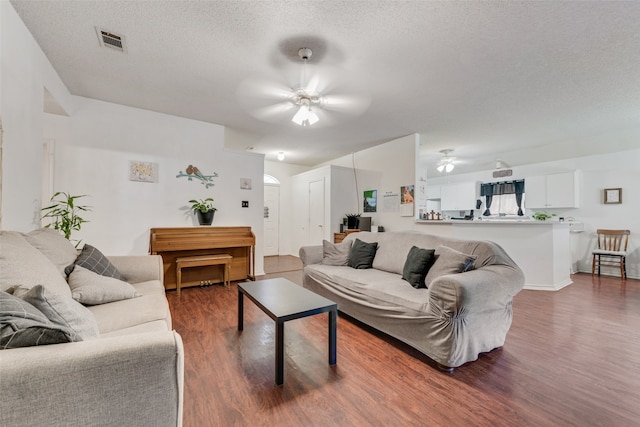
[[129, 372], [452, 321]]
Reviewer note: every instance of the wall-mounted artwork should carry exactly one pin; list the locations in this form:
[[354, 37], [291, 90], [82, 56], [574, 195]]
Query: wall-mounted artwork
[[143, 171], [612, 196], [245, 183], [192, 172], [370, 201], [406, 200]]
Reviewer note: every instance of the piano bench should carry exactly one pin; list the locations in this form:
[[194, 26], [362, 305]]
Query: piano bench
[[201, 261]]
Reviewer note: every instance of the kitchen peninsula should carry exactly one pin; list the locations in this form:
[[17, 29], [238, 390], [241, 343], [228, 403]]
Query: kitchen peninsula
[[541, 249]]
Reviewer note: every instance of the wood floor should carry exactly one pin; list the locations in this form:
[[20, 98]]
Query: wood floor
[[572, 358]]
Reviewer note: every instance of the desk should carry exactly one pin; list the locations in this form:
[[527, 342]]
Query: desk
[[177, 242]]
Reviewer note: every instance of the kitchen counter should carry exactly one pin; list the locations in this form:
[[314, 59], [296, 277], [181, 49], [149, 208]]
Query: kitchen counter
[[542, 249]]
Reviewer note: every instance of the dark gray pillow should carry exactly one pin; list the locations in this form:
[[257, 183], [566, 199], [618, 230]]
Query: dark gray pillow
[[23, 325], [335, 254], [417, 265], [93, 260], [361, 254]]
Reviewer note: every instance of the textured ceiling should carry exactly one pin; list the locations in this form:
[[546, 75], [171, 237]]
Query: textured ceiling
[[487, 79]]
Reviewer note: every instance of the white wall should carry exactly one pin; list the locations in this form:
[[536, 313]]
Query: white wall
[[385, 168], [597, 172], [25, 73], [283, 173], [92, 153]]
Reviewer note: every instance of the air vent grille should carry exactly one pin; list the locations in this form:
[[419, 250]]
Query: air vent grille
[[110, 40]]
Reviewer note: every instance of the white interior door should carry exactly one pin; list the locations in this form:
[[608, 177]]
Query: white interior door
[[316, 212], [271, 220]]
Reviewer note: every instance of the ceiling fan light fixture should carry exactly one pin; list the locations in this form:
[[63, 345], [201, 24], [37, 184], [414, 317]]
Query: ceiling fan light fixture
[[281, 156], [449, 167], [440, 168]]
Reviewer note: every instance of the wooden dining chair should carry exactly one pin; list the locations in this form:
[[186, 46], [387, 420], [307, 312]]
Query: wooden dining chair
[[611, 251]]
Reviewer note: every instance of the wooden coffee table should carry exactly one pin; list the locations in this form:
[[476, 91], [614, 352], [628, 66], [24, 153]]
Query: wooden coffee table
[[283, 300]]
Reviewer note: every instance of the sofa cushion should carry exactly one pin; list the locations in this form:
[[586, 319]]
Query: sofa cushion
[[448, 261], [361, 254], [24, 265], [61, 310], [23, 325], [90, 288], [335, 254], [151, 306], [54, 246], [92, 259], [418, 262]]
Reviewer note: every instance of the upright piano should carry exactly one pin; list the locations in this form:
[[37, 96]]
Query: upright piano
[[175, 242]]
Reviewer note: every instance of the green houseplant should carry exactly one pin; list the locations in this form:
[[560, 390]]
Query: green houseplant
[[64, 213], [542, 216], [204, 209]]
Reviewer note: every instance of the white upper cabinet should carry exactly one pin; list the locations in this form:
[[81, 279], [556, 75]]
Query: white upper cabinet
[[433, 192], [458, 197], [558, 190]]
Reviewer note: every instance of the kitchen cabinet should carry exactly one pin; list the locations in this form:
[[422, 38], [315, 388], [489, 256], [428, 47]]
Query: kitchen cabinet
[[433, 192], [558, 190], [458, 197]]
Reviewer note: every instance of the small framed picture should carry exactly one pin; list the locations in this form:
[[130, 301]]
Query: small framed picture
[[612, 196]]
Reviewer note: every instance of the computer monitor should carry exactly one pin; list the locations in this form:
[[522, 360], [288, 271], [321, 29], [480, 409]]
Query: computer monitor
[[365, 223]]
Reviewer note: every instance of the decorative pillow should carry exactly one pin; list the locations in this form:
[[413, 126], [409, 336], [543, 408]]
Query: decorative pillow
[[54, 246], [92, 259], [62, 311], [23, 325], [335, 254], [416, 266], [449, 261], [90, 288], [24, 265], [362, 254]]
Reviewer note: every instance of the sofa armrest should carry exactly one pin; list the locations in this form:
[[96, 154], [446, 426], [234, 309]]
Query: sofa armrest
[[139, 268], [311, 255], [126, 380], [487, 288]]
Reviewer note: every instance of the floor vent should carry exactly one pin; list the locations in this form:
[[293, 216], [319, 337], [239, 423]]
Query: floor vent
[[110, 40]]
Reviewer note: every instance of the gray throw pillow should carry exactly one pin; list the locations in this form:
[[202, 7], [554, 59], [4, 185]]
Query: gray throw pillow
[[362, 254], [449, 261], [90, 288], [23, 325], [92, 259], [61, 310], [54, 246], [416, 266], [335, 254]]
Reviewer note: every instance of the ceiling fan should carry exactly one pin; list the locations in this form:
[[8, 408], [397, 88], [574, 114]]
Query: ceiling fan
[[446, 163], [306, 95]]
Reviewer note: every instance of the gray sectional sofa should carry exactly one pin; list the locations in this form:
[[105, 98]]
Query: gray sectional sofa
[[459, 315], [122, 365]]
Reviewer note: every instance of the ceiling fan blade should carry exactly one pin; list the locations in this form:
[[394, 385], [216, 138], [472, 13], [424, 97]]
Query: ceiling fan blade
[[281, 111], [350, 104]]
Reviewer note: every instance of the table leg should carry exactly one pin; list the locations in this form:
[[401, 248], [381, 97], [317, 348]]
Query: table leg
[[178, 278], [279, 352], [240, 310], [333, 317]]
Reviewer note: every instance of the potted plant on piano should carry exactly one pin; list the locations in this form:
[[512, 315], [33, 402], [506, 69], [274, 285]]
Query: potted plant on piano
[[204, 209]]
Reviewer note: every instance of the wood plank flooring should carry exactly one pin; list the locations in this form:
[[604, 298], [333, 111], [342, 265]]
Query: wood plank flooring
[[572, 358]]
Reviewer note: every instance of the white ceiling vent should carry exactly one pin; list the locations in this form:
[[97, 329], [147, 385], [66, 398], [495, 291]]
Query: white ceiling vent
[[110, 40]]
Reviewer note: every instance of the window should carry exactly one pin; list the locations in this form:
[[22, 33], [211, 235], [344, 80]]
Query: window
[[505, 204], [503, 198]]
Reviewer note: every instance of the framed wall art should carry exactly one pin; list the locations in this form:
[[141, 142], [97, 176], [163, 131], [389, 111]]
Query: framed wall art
[[612, 196]]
